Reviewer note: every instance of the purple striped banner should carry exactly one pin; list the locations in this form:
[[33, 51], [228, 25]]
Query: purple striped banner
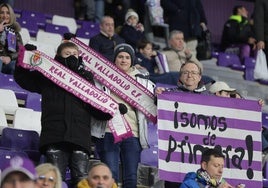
[[189, 123]]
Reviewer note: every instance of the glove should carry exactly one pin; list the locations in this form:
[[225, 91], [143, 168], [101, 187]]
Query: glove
[[30, 47], [72, 63], [122, 108], [68, 36]]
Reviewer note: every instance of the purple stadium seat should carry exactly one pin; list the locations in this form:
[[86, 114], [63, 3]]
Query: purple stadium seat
[[6, 155], [39, 17], [150, 156], [90, 25], [18, 139], [7, 82], [31, 25], [86, 33], [60, 29], [33, 101], [226, 60], [249, 68], [21, 140]]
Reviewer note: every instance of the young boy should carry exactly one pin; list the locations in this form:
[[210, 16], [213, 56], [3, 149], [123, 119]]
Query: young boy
[[145, 57], [132, 31], [65, 137]]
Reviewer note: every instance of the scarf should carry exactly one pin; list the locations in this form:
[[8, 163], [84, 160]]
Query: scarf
[[203, 176]]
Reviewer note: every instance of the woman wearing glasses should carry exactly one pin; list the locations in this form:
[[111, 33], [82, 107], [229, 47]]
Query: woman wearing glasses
[[48, 176]]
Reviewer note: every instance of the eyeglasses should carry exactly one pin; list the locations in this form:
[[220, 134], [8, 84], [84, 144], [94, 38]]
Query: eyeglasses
[[193, 73], [49, 179]]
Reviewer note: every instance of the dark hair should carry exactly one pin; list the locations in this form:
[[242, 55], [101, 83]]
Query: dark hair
[[143, 43], [236, 8], [66, 45], [211, 152]]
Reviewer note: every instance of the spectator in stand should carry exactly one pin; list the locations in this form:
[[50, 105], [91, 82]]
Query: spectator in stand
[[146, 57], [189, 81], [18, 172], [48, 176], [10, 39], [210, 173], [128, 149], [237, 32], [107, 39], [84, 10], [99, 176], [261, 25], [178, 53], [132, 31], [187, 16], [65, 138]]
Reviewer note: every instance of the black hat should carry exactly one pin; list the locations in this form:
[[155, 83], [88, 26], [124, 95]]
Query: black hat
[[124, 48]]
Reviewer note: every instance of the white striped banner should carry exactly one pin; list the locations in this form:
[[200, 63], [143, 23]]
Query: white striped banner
[[187, 123]]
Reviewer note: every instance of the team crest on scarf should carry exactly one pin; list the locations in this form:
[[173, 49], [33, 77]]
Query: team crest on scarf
[[36, 59]]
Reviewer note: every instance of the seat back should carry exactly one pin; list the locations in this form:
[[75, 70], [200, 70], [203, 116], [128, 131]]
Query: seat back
[[47, 48], [39, 17], [65, 21], [6, 155], [3, 120], [34, 101], [86, 33], [49, 38], [19, 139], [53, 28], [25, 35], [8, 101], [27, 119], [31, 25]]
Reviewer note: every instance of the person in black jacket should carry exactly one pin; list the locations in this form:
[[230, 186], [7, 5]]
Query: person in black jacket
[[107, 39], [65, 137], [187, 16], [238, 32], [261, 25], [132, 30]]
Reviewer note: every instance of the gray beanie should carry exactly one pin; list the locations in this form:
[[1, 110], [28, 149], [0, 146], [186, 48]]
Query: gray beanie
[[125, 48]]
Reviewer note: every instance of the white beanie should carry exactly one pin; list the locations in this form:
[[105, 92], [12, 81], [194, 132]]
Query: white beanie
[[129, 13]]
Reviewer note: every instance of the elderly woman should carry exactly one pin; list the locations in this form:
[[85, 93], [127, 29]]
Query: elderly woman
[[48, 176], [10, 39]]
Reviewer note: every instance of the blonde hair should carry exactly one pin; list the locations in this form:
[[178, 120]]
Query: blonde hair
[[47, 167], [13, 21]]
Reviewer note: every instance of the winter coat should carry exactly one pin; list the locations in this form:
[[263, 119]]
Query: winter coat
[[131, 35], [261, 20], [191, 181], [185, 15], [98, 128], [149, 64], [237, 30], [176, 58], [65, 118], [105, 45]]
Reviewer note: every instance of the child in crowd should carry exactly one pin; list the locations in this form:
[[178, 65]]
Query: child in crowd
[[146, 57], [132, 31], [65, 138]]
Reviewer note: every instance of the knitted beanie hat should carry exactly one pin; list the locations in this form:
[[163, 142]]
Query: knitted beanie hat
[[125, 48], [129, 13]]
